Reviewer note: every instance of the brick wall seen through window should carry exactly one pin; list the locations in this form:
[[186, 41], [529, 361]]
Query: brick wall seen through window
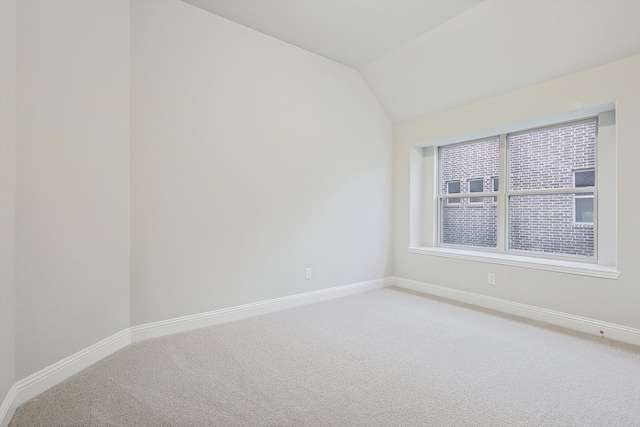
[[544, 166]]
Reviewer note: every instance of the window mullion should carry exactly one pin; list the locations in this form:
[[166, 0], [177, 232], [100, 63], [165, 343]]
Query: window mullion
[[578, 190], [466, 195], [501, 231]]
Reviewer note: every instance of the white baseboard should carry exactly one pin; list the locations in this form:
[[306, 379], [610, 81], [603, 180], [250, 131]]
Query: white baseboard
[[570, 321], [48, 377], [201, 320], [8, 407]]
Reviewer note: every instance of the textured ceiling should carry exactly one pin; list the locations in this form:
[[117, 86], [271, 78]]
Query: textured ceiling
[[351, 32]]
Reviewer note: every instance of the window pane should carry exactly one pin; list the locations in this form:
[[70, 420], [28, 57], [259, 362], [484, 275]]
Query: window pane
[[585, 178], [547, 158], [469, 224], [544, 224], [496, 182], [468, 162], [584, 209], [453, 187], [476, 186]]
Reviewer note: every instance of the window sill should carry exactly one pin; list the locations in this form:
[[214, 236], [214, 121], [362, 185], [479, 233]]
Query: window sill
[[569, 267]]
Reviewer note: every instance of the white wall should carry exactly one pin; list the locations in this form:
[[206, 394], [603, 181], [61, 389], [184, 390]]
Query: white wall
[[615, 301], [7, 194], [251, 160], [72, 177]]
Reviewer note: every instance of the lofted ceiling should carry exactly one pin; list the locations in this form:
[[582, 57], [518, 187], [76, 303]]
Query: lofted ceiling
[[419, 57], [351, 32]]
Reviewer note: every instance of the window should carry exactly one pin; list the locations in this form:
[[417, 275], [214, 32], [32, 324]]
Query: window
[[476, 186], [495, 185], [453, 187], [500, 230], [541, 188], [470, 222], [583, 202], [550, 191]]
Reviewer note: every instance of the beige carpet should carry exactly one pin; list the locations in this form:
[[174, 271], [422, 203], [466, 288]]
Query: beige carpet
[[381, 358]]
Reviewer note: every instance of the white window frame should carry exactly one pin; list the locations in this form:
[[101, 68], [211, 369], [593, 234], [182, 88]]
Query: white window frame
[[503, 243], [423, 191]]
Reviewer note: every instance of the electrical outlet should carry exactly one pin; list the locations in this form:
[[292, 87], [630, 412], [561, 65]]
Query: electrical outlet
[[491, 278], [307, 273]]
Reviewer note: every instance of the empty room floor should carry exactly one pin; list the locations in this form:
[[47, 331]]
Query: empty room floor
[[387, 357]]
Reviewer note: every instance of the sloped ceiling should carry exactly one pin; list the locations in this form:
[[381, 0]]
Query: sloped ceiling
[[499, 46], [423, 56], [351, 32]]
